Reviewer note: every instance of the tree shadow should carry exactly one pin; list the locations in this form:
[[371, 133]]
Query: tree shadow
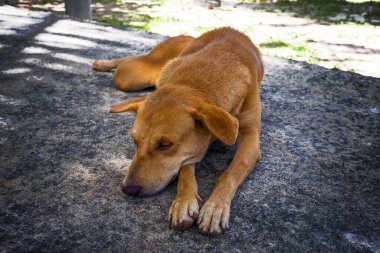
[[328, 11], [356, 48]]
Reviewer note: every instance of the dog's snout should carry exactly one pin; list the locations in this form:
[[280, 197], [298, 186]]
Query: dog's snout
[[131, 189]]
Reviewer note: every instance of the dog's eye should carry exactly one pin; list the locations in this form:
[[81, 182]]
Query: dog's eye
[[164, 145], [198, 124]]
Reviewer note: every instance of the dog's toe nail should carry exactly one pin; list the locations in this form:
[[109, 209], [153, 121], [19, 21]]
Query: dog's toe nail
[[202, 231]]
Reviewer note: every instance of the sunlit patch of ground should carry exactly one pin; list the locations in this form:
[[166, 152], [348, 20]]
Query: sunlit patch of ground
[[330, 41]]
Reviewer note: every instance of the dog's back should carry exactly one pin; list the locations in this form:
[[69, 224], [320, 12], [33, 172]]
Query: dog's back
[[223, 66]]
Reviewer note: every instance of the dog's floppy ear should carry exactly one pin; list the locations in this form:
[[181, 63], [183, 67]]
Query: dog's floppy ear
[[128, 105], [218, 121]]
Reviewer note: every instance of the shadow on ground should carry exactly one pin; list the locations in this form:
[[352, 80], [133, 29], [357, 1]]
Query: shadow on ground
[[63, 155]]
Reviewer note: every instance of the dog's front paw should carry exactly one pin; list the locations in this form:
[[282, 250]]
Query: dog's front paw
[[183, 212], [213, 217]]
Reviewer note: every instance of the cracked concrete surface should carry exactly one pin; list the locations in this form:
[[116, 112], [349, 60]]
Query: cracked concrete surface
[[63, 156]]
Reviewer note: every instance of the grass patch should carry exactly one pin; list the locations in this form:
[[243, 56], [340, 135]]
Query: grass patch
[[110, 20], [118, 2], [133, 18], [274, 44], [299, 48], [285, 50]]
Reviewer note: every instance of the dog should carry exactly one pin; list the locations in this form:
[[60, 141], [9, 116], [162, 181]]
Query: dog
[[207, 88]]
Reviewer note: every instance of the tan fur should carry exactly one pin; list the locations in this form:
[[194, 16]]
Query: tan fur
[[207, 88]]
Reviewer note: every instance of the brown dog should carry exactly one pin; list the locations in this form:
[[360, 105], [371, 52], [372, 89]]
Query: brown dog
[[207, 88]]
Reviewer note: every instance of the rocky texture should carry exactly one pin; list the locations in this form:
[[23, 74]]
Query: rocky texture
[[63, 156]]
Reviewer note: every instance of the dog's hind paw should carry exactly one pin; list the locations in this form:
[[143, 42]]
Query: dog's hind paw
[[103, 65], [213, 218], [183, 212]]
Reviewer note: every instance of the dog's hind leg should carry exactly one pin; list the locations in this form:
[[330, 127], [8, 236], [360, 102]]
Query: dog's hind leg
[[184, 210], [108, 65], [143, 71]]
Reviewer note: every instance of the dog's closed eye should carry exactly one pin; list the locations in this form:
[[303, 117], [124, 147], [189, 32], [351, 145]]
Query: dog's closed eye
[[164, 145], [198, 124]]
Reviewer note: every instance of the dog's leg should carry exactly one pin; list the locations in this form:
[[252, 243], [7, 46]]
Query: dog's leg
[[143, 71], [184, 210], [108, 65], [214, 215]]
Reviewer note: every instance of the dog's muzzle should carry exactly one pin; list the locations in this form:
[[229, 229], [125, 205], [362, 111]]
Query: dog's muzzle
[[131, 189]]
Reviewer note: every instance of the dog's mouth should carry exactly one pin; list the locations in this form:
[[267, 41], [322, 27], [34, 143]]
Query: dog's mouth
[[157, 190], [147, 192], [150, 192]]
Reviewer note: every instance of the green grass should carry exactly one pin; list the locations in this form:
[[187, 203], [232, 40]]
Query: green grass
[[299, 48], [159, 20], [134, 18], [274, 44], [110, 20], [118, 2], [286, 50]]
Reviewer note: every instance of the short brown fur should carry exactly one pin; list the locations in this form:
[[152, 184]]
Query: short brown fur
[[207, 88]]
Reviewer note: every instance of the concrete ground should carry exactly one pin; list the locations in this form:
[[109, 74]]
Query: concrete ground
[[63, 156]]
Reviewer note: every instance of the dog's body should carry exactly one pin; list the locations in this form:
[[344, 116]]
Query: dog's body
[[207, 88]]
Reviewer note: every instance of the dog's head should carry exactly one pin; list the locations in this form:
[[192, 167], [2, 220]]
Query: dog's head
[[172, 128]]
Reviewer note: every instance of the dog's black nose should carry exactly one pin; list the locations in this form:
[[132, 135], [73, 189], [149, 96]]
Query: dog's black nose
[[131, 189]]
